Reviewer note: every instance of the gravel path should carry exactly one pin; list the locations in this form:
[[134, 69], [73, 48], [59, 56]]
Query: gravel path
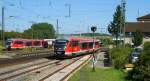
[[103, 59]]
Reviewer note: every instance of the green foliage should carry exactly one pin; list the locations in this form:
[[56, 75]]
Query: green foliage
[[128, 45], [141, 72], [13, 34], [37, 31], [86, 74], [40, 31], [137, 38], [116, 26], [146, 46], [105, 40], [120, 56]]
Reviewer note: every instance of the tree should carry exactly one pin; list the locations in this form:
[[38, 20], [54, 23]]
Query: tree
[[137, 38], [116, 26], [12, 34], [40, 31], [119, 56]]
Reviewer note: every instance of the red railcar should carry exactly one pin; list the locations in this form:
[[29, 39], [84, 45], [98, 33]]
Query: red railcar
[[25, 43], [75, 46]]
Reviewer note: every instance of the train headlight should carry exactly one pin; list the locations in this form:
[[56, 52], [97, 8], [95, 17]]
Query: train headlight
[[65, 48]]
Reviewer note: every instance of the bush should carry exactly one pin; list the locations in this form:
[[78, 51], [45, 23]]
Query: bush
[[105, 41], [146, 46], [141, 71], [128, 45], [137, 38], [120, 56]]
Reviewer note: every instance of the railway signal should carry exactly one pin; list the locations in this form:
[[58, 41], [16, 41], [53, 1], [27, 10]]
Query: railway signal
[[93, 29]]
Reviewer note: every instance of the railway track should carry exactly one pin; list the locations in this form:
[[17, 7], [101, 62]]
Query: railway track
[[6, 75], [65, 72], [12, 55], [39, 71], [21, 52]]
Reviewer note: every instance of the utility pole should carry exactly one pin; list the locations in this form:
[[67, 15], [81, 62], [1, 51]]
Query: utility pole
[[2, 33], [69, 10], [57, 27], [123, 4], [138, 12]]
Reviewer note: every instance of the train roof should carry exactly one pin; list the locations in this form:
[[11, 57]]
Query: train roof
[[14, 39], [81, 39]]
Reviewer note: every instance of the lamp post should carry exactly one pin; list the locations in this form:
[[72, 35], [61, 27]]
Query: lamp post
[[93, 29], [2, 32]]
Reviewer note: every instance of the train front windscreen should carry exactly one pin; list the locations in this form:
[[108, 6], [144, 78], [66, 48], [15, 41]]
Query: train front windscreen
[[59, 46]]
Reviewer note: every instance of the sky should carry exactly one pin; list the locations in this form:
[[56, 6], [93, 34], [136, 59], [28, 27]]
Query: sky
[[21, 14]]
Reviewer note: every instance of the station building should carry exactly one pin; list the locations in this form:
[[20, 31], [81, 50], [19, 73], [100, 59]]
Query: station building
[[142, 25]]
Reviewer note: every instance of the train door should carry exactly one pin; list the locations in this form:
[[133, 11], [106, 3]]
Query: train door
[[75, 46], [96, 45], [44, 44], [91, 45]]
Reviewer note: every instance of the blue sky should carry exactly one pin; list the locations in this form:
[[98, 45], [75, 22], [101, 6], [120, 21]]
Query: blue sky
[[84, 13]]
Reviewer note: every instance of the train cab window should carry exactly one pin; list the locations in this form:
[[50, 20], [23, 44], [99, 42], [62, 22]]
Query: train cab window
[[84, 45], [75, 43], [18, 42], [37, 43], [91, 45]]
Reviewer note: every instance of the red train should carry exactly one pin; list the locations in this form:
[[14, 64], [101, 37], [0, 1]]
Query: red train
[[75, 46], [25, 43]]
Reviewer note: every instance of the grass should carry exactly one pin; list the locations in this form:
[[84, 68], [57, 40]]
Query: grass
[[1, 45], [110, 74]]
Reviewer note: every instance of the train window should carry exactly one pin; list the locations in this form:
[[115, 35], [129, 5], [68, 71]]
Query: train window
[[18, 42], [75, 43], [84, 45], [37, 43], [91, 45], [28, 43], [60, 43]]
